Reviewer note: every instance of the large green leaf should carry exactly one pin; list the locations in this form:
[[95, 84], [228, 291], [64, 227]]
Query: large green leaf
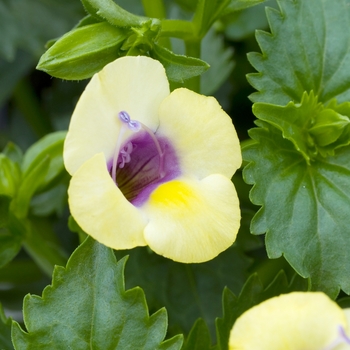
[[304, 207], [309, 49], [87, 307]]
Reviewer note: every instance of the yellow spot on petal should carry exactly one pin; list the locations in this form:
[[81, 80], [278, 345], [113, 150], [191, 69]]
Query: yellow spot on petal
[[173, 193]]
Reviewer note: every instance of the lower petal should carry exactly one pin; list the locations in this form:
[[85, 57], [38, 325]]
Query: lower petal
[[192, 221], [101, 209]]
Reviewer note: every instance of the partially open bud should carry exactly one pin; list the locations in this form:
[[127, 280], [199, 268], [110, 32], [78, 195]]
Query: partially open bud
[[328, 127]]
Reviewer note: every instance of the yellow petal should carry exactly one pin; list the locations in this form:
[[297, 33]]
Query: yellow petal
[[295, 321], [136, 85], [101, 209], [202, 134], [192, 221]]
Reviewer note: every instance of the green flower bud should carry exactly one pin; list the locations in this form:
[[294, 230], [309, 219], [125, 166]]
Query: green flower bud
[[83, 51], [328, 126]]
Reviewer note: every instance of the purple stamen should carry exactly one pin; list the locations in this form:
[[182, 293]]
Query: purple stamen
[[124, 117], [135, 126]]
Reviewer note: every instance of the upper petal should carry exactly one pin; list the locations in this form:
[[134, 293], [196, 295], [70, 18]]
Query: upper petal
[[299, 320], [101, 209], [133, 84], [192, 221], [202, 133]]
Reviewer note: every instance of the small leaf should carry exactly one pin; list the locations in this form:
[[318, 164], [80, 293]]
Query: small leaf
[[178, 67], [198, 338], [307, 50], [108, 10], [5, 331], [207, 12], [29, 185], [304, 207], [87, 307], [83, 51], [50, 146]]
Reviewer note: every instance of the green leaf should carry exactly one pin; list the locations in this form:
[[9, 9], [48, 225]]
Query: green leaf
[[304, 207], [240, 25], [87, 307], [83, 51], [5, 331], [207, 12], [239, 5], [294, 121], [108, 10], [178, 67], [220, 60], [307, 50], [13, 152], [252, 293], [51, 147], [10, 176], [184, 289], [198, 338], [11, 233], [29, 185]]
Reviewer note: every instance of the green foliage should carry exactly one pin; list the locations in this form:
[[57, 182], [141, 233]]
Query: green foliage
[[304, 207], [87, 306], [302, 54], [5, 331], [178, 67], [298, 164], [184, 289]]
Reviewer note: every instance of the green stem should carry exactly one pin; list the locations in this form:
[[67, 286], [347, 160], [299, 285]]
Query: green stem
[[193, 49], [28, 104], [156, 9]]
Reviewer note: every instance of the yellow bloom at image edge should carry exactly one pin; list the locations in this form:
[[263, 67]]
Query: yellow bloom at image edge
[[295, 321], [150, 167]]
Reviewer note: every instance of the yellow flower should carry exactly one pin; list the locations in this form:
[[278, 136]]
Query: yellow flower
[[295, 321], [150, 167]]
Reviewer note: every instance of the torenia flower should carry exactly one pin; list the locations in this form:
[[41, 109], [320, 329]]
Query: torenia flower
[[150, 167], [295, 321]]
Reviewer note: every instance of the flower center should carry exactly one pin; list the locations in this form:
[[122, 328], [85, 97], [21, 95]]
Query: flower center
[[142, 161]]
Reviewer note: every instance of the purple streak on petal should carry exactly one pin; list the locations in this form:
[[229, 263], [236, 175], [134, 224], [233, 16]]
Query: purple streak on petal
[[141, 175]]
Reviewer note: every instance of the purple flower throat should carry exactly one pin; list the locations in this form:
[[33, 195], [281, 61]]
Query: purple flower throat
[[142, 162]]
